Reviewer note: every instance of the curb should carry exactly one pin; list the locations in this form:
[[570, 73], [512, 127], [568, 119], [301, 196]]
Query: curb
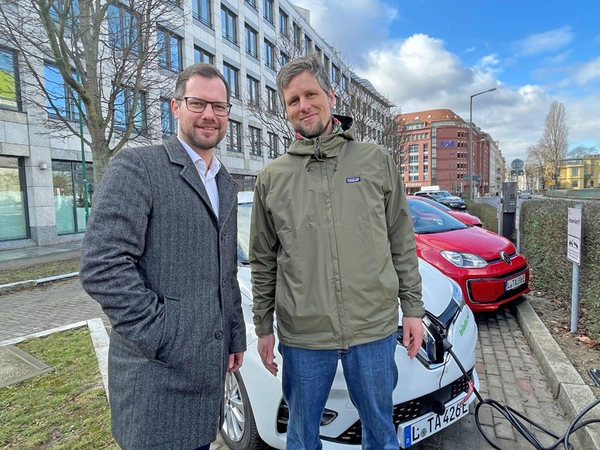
[[565, 382], [11, 287]]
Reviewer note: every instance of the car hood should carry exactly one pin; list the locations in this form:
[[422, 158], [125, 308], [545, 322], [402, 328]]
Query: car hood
[[484, 243], [437, 288]]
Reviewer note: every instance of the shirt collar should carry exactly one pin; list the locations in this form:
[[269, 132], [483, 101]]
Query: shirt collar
[[215, 164]]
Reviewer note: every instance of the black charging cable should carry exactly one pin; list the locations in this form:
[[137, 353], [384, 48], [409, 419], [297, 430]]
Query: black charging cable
[[516, 419]]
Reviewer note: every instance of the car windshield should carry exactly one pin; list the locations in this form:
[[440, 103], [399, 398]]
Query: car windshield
[[428, 219], [243, 246], [436, 204]]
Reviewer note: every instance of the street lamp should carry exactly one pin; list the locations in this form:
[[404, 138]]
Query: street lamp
[[471, 157]]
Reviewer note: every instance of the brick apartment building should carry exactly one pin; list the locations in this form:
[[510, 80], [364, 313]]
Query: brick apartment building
[[436, 153]]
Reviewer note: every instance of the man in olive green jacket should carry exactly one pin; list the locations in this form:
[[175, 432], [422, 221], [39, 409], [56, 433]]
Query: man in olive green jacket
[[332, 249]]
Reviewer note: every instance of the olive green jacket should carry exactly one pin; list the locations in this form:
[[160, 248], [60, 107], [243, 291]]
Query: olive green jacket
[[332, 246]]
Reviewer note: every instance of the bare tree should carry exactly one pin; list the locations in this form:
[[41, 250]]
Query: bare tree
[[554, 142], [96, 64], [582, 151], [535, 164]]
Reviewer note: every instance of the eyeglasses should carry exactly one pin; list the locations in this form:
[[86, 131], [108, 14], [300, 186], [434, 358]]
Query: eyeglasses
[[198, 105]]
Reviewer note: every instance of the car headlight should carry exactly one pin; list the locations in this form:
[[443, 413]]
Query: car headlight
[[464, 259]]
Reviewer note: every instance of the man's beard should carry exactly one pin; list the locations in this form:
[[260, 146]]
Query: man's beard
[[203, 144], [314, 131]]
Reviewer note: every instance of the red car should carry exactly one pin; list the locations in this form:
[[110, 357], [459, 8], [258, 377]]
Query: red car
[[486, 265], [464, 217]]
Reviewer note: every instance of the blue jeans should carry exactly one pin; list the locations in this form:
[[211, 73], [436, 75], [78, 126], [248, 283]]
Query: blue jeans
[[371, 376]]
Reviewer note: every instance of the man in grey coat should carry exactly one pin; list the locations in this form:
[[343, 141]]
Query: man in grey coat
[[160, 256]]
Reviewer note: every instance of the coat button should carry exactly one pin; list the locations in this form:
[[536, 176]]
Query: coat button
[[219, 335]]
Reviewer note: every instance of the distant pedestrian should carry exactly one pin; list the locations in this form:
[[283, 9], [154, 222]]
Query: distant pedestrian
[[160, 256], [332, 248]]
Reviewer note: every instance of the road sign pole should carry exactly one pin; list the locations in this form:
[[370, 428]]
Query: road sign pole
[[575, 298], [574, 246]]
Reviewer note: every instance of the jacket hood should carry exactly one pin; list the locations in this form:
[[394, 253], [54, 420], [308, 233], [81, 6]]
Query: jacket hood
[[327, 146]]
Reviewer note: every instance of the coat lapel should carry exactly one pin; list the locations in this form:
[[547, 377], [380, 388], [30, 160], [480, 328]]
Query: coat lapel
[[179, 157], [227, 187]]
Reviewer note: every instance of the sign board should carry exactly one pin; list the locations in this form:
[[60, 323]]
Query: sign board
[[574, 235]]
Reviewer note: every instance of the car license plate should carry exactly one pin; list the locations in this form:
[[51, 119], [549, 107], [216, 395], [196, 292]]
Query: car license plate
[[411, 433], [514, 282]]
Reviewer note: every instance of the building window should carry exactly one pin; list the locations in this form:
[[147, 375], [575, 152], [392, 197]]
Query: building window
[[345, 83], [574, 172], [273, 144], [234, 137], [297, 35], [9, 76], [335, 74], [326, 62], [269, 51], [231, 74], [252, 3], [284, 23], [124, 29], [229, 25], [253, 91], [125, 113], [307, 44], [60, 103], [251, 41], [58, 11], [271, 100], [69, 195], [13, 207], [201, 10], [574, 183], [169, 50], [202, 56], [287, 141], [255, 147], [167, 119], [268, 11], [283, 58]]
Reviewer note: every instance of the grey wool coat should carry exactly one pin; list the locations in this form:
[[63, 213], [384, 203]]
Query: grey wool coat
[[163, 268]]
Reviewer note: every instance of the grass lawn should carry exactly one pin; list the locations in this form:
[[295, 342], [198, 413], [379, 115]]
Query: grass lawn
[[43, 270], [63, 409]]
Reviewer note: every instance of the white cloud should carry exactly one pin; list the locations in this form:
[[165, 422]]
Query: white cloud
[[548, 41], [588, 72]]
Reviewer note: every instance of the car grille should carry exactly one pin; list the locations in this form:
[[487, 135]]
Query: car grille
[[405, 412]]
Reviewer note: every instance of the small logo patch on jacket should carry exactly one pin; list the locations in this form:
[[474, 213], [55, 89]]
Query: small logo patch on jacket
[[353, 180]]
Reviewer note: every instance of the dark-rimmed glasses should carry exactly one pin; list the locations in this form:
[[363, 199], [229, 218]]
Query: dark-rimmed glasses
[[198, 105]]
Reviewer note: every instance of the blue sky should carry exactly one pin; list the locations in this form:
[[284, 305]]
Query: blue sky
[[427, 54]]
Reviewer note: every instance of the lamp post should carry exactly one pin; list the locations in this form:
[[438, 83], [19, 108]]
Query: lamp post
[[471, 156]]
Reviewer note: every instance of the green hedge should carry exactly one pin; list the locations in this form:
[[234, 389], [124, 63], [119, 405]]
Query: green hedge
[[543, 225], [543, 242]]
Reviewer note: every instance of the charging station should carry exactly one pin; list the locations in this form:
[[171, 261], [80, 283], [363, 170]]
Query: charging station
[[509, 208]]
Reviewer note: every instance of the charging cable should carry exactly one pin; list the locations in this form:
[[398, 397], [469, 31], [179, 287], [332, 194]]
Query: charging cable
[[516, 419]]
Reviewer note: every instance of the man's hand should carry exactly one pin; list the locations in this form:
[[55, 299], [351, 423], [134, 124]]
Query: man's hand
[[413, 334], [266, 346], [235, 362]]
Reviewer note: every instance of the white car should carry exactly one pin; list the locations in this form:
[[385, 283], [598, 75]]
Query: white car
[[431, 394]]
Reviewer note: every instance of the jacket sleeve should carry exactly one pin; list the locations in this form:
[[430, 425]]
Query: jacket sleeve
[[113, 243], [263, 262], [403, 247]]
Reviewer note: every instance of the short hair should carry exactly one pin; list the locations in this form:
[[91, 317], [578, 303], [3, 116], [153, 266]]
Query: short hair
[[310, 62], [202, 70]]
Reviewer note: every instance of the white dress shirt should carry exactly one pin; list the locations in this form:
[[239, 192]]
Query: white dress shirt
[[208, 178]]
